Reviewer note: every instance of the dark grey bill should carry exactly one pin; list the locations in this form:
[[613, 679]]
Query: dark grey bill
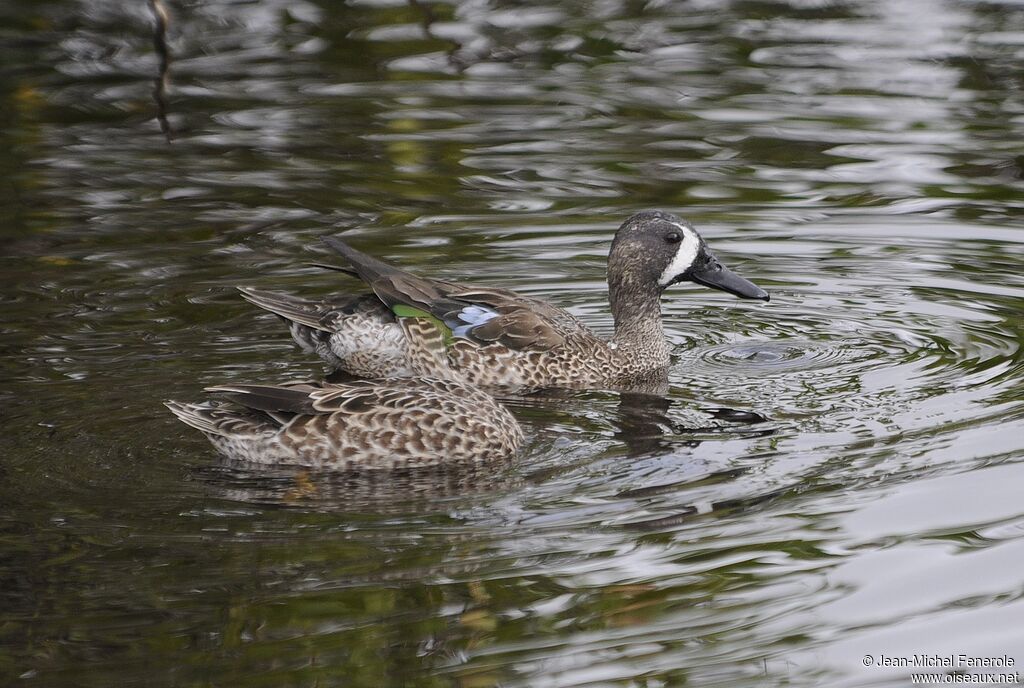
[[713, 274]]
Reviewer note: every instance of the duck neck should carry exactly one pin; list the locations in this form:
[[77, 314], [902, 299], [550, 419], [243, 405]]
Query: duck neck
[[639, 336]]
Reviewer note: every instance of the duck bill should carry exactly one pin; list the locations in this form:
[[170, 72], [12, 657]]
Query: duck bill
[[715, 275]]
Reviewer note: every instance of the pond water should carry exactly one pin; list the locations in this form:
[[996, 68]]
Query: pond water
[[834, 474]]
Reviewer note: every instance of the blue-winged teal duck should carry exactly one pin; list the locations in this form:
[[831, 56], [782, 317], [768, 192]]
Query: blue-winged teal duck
[[411, 326], [366, 424]]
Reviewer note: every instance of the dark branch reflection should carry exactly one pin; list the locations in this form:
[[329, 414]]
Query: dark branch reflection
[[161, 21]]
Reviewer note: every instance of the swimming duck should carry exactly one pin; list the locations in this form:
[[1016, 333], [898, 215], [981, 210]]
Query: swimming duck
[[413, 326], [365, 424]]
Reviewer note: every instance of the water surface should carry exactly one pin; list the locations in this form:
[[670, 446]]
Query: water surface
[[831, 475]]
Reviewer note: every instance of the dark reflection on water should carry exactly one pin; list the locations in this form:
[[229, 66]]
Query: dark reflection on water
[[830, 475]]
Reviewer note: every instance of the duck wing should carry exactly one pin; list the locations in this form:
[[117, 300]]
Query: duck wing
[[479, 314], [292, 398], [312, 398], [350, 398]]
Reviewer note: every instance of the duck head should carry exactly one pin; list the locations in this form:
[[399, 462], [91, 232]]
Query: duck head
[[655, 249]]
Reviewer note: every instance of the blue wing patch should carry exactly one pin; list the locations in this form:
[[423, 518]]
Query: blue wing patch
[[470, 317]]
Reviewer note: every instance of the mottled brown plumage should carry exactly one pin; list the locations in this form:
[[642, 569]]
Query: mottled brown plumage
[[494, 338], [362, 425]]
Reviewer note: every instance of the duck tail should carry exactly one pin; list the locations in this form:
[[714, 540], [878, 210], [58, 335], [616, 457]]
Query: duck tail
[[205, 419], [291, 308]]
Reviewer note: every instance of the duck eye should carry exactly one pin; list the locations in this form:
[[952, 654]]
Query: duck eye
[[673, 238]]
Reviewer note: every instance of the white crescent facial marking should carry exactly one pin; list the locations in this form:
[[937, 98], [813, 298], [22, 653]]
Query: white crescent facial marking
[[685, 255]]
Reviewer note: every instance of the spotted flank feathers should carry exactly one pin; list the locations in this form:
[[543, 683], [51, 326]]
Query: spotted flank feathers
[[495, 338], [387, 424]]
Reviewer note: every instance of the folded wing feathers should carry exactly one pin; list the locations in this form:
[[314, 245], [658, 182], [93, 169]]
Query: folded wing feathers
[[269, 398], [521, 324], [336, 268], [368, 268]]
